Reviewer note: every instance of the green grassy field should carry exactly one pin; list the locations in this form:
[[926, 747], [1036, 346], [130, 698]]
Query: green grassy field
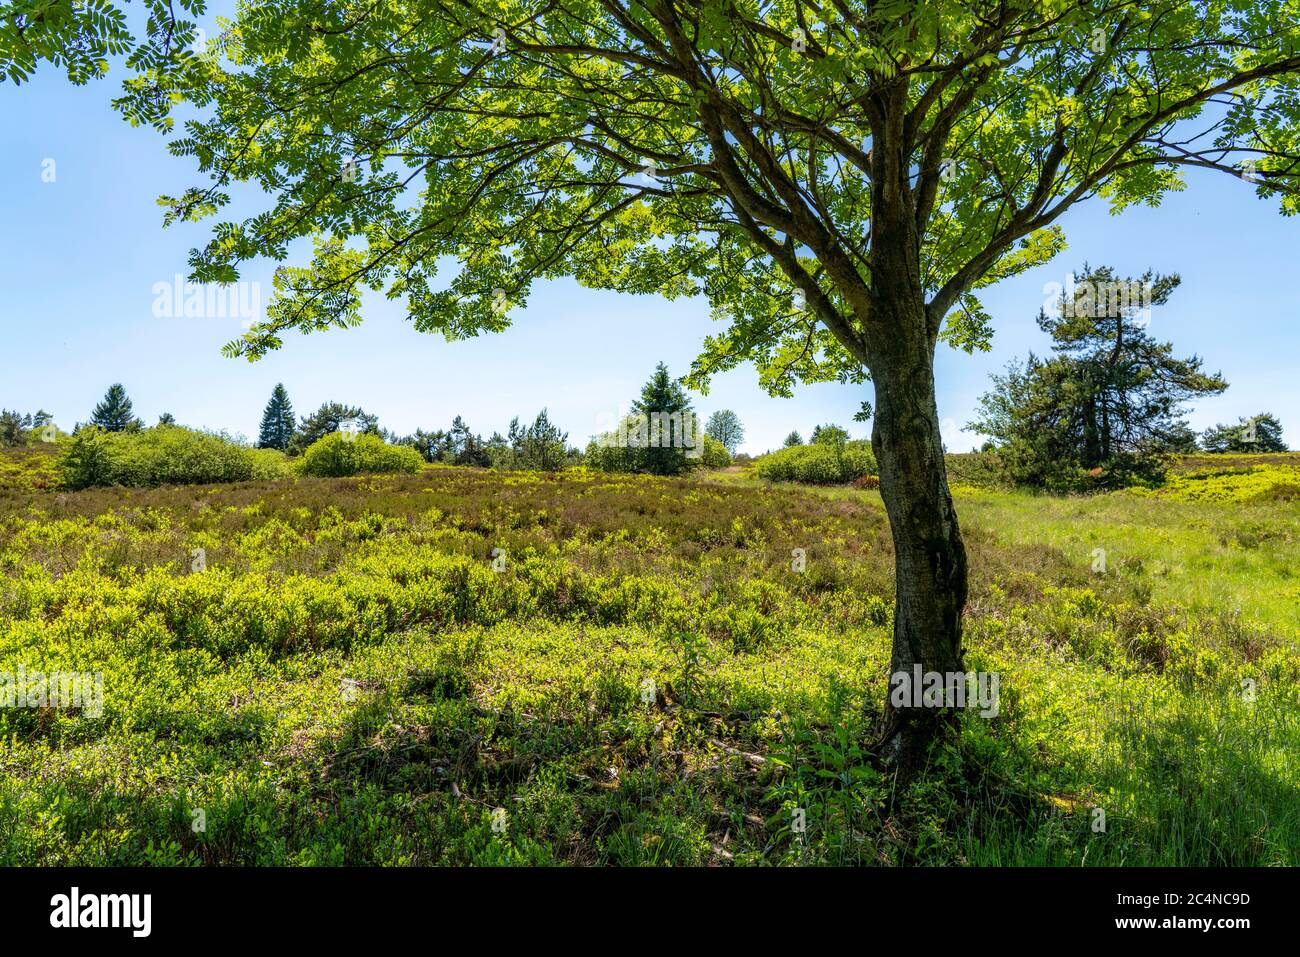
[[640, 676]]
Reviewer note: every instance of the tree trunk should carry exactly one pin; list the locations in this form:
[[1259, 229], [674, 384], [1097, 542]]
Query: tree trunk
[[930, 571]]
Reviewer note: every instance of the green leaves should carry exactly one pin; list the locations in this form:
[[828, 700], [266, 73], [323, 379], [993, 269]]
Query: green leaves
[[853, 157], [80, 37]]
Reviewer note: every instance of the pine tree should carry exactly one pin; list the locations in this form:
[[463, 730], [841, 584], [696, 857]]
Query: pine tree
[[515, 436], [1262, 433], [1107, 403], [791, 440], [114, 413], [277, 421], [13, 428], [544, 444], [663, 399]]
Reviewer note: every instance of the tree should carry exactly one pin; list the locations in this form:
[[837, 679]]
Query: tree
[[829, 434], [428, 444], [1259, 433], [13, 428], [114, 412], [1109, 401], [671, 427], [840, 189], [514, 440], [459, 445], [466, 447], [724, 425], [714, 454], [541, 446], [791, 440], [17, 429], [1181, 439], [277, 421], [166, 419], [660, 436], [331, 417]]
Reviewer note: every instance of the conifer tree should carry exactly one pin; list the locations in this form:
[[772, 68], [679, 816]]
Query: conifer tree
[[277, 421], [114, 413], [663, 400]]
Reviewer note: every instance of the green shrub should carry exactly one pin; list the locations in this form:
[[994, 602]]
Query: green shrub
[[824, 463], [381, 643], [610, 458], [164, 455], [715, 455], [269, 464], [983, 469], [31, 468], [618, 458], [338, 454]]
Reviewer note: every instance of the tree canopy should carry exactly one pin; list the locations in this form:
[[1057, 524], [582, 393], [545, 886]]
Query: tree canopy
[[829, 435], [331, 417], [80, 37], [755, 153]]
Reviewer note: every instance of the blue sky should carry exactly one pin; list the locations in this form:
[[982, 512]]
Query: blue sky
[[80, 257]]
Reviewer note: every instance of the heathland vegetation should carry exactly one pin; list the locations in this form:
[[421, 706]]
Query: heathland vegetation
[[345, 646], [462, 665]]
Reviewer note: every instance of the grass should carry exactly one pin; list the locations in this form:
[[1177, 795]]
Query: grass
[[462, 667], [1208, 558]]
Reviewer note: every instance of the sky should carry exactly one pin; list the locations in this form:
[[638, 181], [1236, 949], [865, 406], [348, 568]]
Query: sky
[[83, 251]]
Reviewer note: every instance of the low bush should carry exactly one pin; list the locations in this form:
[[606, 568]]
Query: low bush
[[164, 455], [338, 455], [349, 657], [1232, 484], [619, 458], [30, 469], [822, 463], [977, 469], [715, 454]]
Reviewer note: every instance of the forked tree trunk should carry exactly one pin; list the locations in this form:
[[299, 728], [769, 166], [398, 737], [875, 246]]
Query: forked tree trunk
[[930, 575]]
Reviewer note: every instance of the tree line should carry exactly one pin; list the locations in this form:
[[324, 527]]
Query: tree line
[[537, 445]]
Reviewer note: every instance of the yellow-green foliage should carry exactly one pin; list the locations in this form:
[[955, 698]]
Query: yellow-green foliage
[[346, 671], [30, 469], [714, 454], [339, 454], [821, 463], [1245, 483], [164, 455]]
